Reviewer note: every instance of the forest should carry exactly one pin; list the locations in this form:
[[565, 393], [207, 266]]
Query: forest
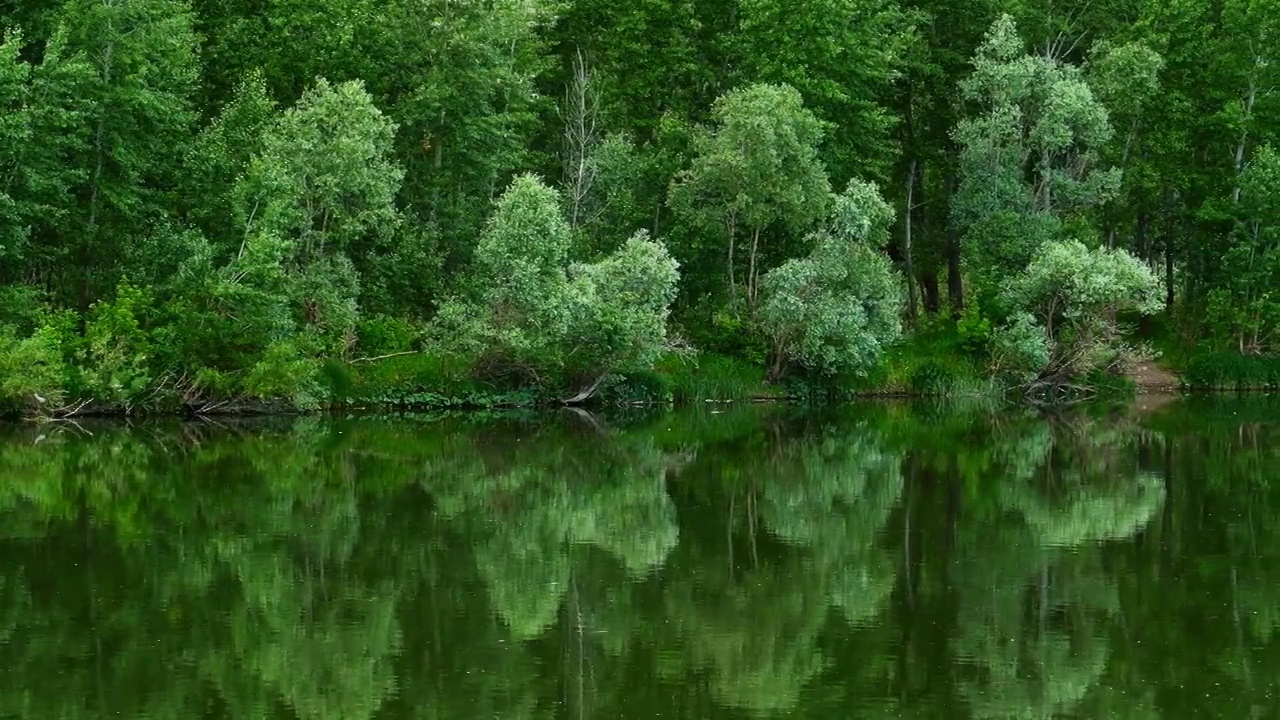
[[219, 204]]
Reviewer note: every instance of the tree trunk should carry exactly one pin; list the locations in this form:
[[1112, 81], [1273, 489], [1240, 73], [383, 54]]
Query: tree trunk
[[955, 282], [586, 392], [930, 291], [731, 228], [1168, 264], [580, 135], [912, 310], [751, 270], [1249, 100]]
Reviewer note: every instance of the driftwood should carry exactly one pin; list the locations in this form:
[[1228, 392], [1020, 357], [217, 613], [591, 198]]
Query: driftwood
[[385, 357], [585, 393]]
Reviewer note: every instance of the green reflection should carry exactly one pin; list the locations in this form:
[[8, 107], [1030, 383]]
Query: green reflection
[[887, 561]]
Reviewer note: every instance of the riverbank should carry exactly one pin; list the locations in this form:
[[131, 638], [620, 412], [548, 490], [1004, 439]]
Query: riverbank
[[431, 381]]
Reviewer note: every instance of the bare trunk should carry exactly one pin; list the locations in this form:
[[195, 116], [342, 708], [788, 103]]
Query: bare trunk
[[579, 114], [1250, 98], [751, 270], [731, 228], [906, 242], [586, 392], [1046, 192]]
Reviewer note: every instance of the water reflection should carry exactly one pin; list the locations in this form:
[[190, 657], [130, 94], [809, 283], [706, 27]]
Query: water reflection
[[877, 562]]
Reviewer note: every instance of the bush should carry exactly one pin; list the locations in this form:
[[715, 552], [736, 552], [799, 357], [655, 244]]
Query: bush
[[285, 374], [1019, 349], [1075, 294], [33, 373], [382, 335], [837, 309], [115, 354]]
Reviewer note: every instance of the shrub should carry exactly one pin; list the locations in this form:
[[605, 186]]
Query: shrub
[[115, 354], [837, 309], [32, 370], [383, 335]]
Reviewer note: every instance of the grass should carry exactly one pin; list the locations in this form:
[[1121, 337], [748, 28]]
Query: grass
[[434, 380], [1225, 370], [715, 378]]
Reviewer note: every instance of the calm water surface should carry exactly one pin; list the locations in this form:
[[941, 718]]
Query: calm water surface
[[877, 562]]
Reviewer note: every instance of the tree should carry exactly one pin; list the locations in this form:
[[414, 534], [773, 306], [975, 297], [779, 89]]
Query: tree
[[522, 308], [325, 182], [15, 133], [132, 116], [842, 56], [1028, 160], [836, 309], [1246, 306], [1075, 294], [621, 304], [758, 170], [537, 312], [220, 155]]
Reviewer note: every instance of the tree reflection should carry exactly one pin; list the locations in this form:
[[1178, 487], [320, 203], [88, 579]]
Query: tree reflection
[[1036, 603], [873, 562]]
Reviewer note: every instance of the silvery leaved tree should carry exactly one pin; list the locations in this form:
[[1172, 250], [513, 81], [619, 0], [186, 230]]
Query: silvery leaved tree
[[1028, 157], [758, 170], [536, 314], [836, 309]]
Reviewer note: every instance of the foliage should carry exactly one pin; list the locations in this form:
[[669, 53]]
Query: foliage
[[836, 309], [1036, 113], [1020, 349], [708, 377], [759, 168], [1245, 308], [325, 177], [540, 315], [116, 353], [33, 370], [1219, 370], [620, 307], [1076, 294]]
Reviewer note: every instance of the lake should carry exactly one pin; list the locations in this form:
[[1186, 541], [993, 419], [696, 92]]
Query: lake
[[880, 561]]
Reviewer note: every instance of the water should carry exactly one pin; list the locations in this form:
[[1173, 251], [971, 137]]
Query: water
[[878, 562]]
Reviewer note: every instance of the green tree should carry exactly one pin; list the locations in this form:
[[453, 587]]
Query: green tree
[[1076, 294], [757, 171], [842, 56], [219, 157], [326, 183], [132, 118], [620, 309], [1246, 308], [838, 308], [534, 312], [1028, 159]]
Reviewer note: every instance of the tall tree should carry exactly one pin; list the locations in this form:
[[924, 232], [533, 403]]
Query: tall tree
[[1028, 158], [326, 184], [135, 116], [755, 172]]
